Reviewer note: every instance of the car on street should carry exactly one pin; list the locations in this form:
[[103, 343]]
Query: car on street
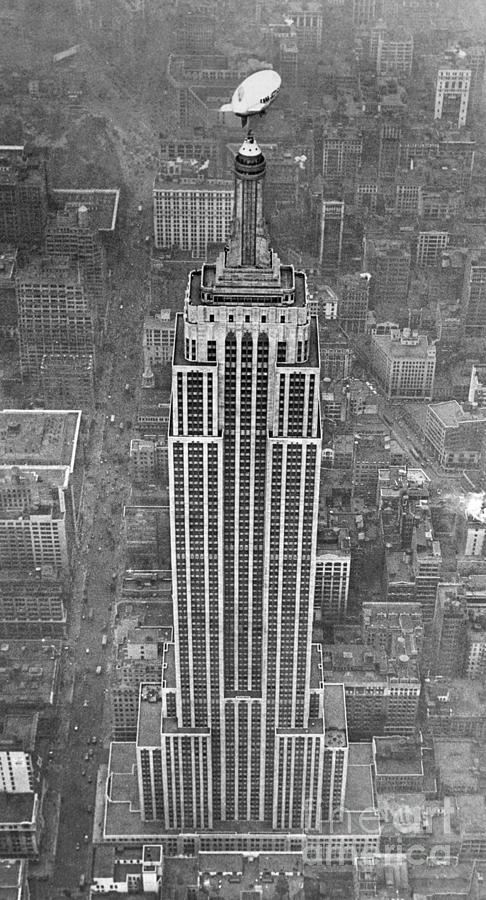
[[78, 846]]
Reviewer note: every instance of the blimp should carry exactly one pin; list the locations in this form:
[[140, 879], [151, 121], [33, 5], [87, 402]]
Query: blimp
[[254, 95]]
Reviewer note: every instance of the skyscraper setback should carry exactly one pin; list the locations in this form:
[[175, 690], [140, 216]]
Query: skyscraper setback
[[242, 723]]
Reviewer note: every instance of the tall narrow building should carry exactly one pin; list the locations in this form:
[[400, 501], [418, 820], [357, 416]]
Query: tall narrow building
[[245, 741]]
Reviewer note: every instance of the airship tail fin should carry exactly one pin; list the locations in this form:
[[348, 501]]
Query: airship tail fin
[[226, 107]]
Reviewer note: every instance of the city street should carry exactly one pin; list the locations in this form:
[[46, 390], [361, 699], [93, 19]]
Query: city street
[[85, 729]]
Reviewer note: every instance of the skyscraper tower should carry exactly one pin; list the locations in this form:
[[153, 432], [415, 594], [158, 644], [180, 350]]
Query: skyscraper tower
[[242, 732]]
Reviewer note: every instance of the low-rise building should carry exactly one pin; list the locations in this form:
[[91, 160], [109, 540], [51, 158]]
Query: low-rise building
[[398, 764], [404, 363], [455, 707], [13, 879], [127, 870], [382, 693], [455, 436], [32, 605]]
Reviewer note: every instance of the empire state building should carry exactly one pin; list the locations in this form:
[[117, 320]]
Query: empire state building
[[242, 720]]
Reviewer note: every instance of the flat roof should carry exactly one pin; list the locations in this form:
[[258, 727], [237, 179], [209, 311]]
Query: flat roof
[[465, 697], [166, 183], [421, 349], [451, 414], [149, 716], [453, 880], [457, 758], [334, 707], [12, 874], [17, 807], [398, 756], [471, 809], [39, 438], [102, 203]]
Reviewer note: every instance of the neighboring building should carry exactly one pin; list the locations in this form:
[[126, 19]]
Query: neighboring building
[[331, 234], [32, 606], [382, 692], [13, 879], [388, 261], [455, 707], [8, 306], [102, 205], [148, 460], [23, 199], [473, 299], [367, 11], [452, 95], [477, 386], [139, 660], [158, 337], [455, 436], [394, 54], [430, 245], [307, 19], [127, 870], [189, 214], [398, 764], [341, 154], [40, 497], [335, 350], [450, 634], [389, 150], [56, 313], [404, 363], [68, 380], [32, 523], [74, 234], [371, 452], [395, 628], [353, 291], [333, 566], [475, 656], [20, 825]]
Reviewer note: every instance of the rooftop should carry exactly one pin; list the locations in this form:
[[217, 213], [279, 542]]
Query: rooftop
[[102, 204], [39, 438], [458, 698], [149, 716], [210, 185], [398, 756], [458, 761], [12, 875], [420, 349], [17, 807], [452, 415], [335, 708]]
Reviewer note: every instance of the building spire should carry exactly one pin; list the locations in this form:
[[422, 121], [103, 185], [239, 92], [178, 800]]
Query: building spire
[[249, 244]]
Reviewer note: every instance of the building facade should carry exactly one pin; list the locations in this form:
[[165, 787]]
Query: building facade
[[452, 95], [190, 214], [404, 363], [56, 314]]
